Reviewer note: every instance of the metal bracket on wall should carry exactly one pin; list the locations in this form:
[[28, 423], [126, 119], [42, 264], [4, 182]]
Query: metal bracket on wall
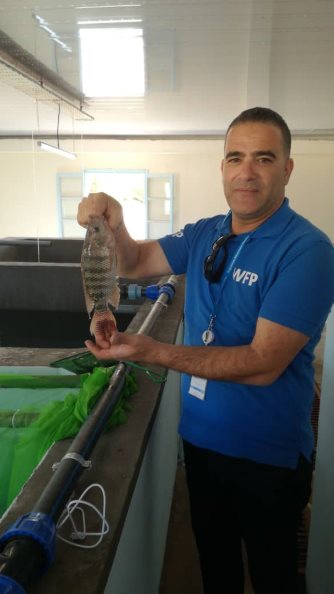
[[21, 70]]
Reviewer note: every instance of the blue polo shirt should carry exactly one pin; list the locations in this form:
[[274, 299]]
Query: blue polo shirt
[[282, 271]]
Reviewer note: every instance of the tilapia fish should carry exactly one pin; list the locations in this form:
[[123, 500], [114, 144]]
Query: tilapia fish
[[100, 282]]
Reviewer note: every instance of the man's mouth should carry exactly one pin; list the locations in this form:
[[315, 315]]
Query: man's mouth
[[246, 190]]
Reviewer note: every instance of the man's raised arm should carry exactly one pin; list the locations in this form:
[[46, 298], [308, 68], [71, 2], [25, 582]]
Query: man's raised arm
[[135, 259]]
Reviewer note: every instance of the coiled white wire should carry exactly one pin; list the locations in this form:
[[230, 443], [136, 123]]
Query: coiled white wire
[[79, 505]]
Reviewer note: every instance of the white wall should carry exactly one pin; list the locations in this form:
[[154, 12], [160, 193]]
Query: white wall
[[28, 178]]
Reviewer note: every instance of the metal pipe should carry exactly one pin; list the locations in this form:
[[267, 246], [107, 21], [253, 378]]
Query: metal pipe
[[27, 548], [167, 292]]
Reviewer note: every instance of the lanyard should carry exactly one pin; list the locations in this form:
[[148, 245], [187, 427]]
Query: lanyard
[[229, 269], [208, 334]]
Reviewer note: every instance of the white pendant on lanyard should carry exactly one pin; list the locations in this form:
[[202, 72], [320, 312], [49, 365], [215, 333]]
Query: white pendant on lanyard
[[208, 335]]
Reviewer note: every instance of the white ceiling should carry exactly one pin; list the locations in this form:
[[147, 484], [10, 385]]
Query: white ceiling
[[206, 60]]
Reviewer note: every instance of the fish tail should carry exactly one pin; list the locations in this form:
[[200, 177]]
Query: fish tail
[[103, 322]]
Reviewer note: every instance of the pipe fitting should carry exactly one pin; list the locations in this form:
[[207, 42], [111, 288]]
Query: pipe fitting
[[36, 526], [10, 586]]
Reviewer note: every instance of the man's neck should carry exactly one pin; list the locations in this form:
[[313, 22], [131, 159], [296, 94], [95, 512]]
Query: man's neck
[[245, 226], [241, 225]]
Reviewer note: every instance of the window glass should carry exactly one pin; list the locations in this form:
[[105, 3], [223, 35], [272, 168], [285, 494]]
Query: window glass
[[129, 189]]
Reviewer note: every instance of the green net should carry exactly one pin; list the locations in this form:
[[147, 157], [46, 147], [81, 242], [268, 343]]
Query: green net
[[80, 363], [35, 415]]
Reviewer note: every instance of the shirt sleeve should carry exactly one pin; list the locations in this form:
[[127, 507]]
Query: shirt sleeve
[[177, 247], [302, 295]]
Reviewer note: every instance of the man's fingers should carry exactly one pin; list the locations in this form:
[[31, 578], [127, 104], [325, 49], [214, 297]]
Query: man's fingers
[[99, 353]]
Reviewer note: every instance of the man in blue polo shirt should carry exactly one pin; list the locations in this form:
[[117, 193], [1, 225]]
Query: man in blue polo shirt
[[260, 285]]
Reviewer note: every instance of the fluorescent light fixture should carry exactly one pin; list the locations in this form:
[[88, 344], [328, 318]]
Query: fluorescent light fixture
[[56, 150], [112, 62], [110, 22], [106, 6]]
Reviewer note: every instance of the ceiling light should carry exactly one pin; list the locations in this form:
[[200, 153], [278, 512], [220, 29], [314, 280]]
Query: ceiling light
[[50, 148], [106, 6], [110, 22], [56, 150]]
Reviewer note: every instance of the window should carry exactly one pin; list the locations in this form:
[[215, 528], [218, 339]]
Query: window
[[147, 200], [129, 188], [112, 62]]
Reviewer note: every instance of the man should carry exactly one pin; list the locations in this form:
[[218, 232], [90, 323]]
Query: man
[[260, 284]]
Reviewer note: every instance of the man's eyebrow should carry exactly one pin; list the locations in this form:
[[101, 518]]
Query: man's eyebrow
[[233, 154], [264, 153]]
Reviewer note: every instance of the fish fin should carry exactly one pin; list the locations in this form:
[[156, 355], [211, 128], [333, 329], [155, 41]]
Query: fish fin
[[104, 323], [88, 300], [114, 297]]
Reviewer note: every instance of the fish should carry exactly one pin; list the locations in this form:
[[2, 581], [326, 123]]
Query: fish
[[99, 276]]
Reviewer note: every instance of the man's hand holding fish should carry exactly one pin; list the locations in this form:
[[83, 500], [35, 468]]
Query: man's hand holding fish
[[100, 204], [135, 259]]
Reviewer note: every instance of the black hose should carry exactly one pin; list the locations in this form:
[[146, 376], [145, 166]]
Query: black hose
[[59, 488]]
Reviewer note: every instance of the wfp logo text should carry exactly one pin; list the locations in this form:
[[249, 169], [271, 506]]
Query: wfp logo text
[[244, 276]]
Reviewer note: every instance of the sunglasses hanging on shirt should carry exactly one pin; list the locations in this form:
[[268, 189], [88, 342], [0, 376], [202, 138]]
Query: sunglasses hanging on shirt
[[212, 271]]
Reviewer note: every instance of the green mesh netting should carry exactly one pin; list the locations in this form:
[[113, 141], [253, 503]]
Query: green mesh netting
[[80, 362], [38, 409]]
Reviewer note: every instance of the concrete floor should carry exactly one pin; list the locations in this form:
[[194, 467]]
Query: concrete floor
[[181, 573]]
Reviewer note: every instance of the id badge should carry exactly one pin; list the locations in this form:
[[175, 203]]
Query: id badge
[[197, 387]]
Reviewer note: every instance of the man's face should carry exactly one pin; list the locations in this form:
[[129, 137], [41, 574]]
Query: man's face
[[255, 170]]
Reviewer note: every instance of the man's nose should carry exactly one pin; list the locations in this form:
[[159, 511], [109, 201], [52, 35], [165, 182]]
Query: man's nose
[[247, 170]]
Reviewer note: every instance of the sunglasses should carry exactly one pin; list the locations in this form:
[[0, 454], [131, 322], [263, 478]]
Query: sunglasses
[[211, 272]]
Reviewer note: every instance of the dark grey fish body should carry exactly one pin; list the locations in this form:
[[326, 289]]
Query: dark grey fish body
[[98, 267]]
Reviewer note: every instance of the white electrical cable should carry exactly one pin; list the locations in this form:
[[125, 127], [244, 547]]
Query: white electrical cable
[[79, 505]]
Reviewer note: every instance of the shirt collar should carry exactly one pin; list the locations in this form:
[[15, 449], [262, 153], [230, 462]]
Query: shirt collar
[[272, 227]]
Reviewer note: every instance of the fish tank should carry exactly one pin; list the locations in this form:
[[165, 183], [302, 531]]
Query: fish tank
[[41, 299]]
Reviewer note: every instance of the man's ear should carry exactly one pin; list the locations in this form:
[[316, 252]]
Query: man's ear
[[288, 169]]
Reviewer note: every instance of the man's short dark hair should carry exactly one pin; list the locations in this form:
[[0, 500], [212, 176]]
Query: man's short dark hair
[[265, 116]]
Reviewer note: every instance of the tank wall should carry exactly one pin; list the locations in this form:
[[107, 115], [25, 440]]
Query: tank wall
[[42, 305], [30, 249], [143, 539]]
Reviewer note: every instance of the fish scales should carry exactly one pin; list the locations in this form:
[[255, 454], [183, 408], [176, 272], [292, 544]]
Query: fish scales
[[99, 275]]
